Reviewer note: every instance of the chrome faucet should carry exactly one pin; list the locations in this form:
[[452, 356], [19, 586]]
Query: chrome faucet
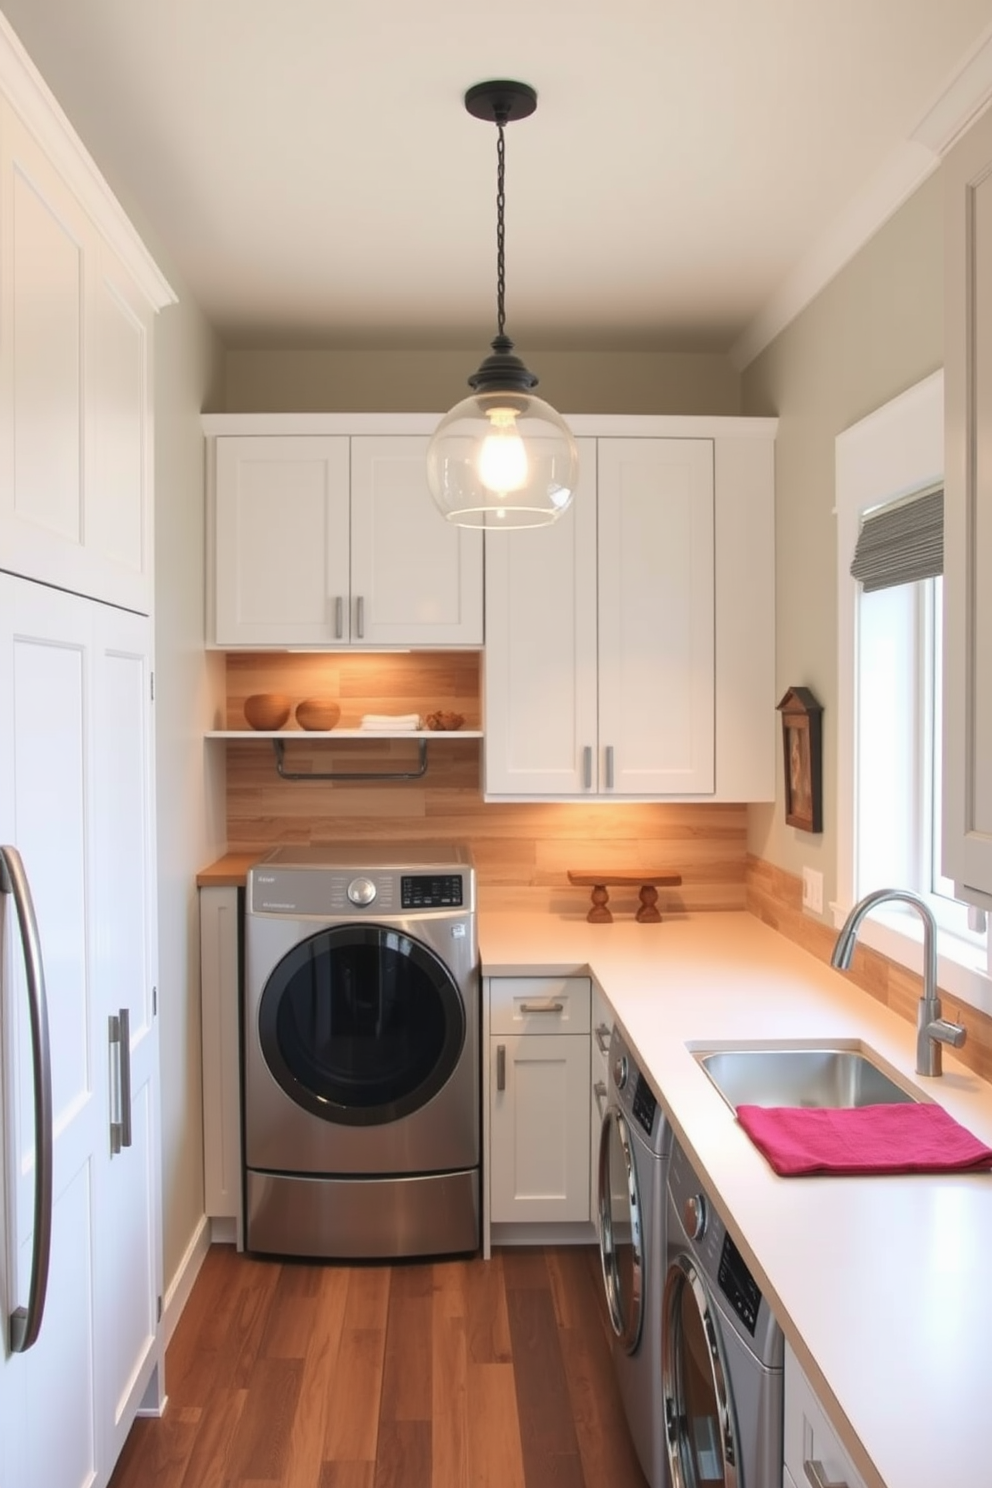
[[931, 1029]]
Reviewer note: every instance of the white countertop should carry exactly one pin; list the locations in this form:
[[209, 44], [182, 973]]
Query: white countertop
[[882, 1285]]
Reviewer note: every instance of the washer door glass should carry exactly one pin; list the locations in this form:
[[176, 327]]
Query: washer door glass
[[699, 1416], [621, 1241], [361, 1024]]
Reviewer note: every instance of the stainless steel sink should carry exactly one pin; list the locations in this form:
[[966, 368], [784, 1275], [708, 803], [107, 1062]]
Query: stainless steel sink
[[826, 1077]]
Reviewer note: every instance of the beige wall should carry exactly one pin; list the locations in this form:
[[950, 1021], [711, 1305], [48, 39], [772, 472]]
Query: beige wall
[[871, 333], [191, 828], [319, 381]]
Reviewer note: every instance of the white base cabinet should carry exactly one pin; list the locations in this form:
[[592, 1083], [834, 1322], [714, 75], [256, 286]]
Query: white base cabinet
[[538, 1084], [331, 540], [630, 646], [813, 1451]]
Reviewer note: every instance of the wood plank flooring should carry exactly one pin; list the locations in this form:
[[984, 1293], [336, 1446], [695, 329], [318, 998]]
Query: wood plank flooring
[[445, 1374]]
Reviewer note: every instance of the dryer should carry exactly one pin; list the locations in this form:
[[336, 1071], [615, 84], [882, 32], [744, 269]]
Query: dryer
[[362, 1023], [722, 1351], [635, 1141]]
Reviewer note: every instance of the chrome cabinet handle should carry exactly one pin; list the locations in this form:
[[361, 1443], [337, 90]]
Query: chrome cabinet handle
[[338, 618], [609, 767], [816, 1475], [602, 1035], [25, 1322], [587, 767], [599, 1091], [120, 1036], [542, 1007], [360, 616], [500, 1066]]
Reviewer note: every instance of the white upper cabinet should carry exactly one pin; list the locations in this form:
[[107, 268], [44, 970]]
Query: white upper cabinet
[[967, 751], [331, 540], [75, 389], [630, 646]]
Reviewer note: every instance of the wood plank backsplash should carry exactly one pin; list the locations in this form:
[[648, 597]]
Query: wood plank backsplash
[[776, 896], [515, 845]]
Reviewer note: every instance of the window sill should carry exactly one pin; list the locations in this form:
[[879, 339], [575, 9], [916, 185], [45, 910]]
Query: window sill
[[962, 967]]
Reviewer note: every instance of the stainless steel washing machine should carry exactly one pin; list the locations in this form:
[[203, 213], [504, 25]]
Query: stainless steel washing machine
[[361, 1089], [722, 1351], [635, 1142]]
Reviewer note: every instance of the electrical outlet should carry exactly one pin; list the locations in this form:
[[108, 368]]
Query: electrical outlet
[[813, 890]]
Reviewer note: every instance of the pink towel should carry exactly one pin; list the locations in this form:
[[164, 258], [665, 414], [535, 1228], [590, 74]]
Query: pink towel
[[905, 1138]]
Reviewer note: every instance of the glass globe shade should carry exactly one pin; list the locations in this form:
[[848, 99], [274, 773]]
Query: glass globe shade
[[500, 460]]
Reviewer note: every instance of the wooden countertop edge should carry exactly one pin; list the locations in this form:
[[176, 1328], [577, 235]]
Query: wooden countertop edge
[[228, 872]]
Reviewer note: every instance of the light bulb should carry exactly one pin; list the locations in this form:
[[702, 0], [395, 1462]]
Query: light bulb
[[502, 458]]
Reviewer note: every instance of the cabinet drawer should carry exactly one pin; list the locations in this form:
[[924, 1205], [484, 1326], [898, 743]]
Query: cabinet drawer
[[539, 1005]]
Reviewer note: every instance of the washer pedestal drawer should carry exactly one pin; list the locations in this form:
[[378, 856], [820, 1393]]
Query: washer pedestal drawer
[[362, 1218]]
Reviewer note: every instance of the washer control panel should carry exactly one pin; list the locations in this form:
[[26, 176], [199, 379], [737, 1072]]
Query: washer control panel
[[738, 1285], [645, 1105], [431, 891], [361, 891], [630, 1091]]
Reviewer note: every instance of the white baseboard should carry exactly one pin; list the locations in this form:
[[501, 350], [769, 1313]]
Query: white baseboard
[[179, 1288]]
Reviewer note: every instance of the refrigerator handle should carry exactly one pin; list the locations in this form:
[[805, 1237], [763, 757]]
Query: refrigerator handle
[[25, 1322]]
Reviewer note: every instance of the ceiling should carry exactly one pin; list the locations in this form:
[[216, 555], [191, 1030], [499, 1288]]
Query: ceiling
[[694, 167]]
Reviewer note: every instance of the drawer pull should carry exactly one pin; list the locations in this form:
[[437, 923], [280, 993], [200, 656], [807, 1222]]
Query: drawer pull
[[599, 1091], [602, 1035], [542, 1007], [816, 1475], [500, 1066]]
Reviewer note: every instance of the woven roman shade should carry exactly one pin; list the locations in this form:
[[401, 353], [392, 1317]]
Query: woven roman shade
[[901, 543]]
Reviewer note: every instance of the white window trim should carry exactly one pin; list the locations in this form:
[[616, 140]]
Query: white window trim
[[896, 450]]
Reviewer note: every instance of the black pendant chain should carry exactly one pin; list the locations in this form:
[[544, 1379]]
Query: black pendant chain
[[500, 228]]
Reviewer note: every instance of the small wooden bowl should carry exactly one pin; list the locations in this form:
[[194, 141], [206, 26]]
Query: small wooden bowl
[[444, 721], [267, 710], [317, 713]]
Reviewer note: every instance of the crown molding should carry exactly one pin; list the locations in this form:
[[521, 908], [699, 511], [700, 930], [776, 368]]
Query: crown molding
[[33, 101], [958, 105]]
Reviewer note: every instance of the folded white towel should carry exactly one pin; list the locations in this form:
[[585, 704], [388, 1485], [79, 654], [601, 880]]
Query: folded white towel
[[393, 722]]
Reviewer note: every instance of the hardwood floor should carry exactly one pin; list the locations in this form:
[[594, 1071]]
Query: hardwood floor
[[451, 1374]]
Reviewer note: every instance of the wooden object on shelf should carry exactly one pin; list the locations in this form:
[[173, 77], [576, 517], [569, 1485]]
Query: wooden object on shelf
[[267, 710], [600, 883], [319, 714]]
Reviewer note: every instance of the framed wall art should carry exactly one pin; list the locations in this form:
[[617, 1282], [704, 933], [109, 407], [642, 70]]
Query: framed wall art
[[802, 735]]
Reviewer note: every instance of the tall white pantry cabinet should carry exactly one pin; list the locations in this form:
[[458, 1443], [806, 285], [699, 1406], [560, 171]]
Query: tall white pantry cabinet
[[78, 294]]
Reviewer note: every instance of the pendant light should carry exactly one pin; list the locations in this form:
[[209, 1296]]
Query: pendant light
[[502, 458]]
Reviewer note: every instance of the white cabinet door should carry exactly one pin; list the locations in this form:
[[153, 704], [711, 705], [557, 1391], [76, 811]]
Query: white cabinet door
[[541, 714], [219, 1000], [123, 908], [46, 811], [656, 616], [809, 1438], [75, 799], [333, 540], [599, 675], [281, 541], [967, 825], [539, 1128], [416, 579], [75, 391]]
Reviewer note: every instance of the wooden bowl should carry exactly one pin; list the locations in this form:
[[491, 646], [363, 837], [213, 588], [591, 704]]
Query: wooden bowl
[[444, 720], [267, 710], [317, 713]]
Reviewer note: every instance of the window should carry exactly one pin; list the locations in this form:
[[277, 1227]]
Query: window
[[889, 694]]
